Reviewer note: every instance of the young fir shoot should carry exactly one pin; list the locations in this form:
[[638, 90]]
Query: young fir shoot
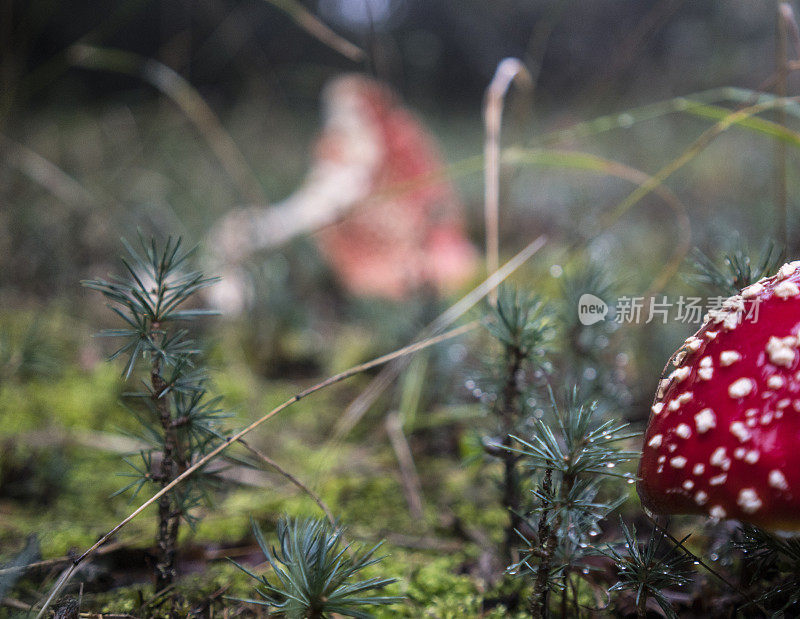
[[739, 270], [774, 563], [521, 324], [315, 575], [178, 421], [649, 569], [571, 455]]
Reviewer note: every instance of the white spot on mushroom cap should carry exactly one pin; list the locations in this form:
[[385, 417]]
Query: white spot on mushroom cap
[[701, 497], [777, 480], [680, 374], [694, 344], [752, 291], [662, 459], [786, 270], [655, 441], [657, 408], [683, 430], [786, 290], [781, 350], [705, 373], [748, 500], [752, 456], [699, 468], [740, 388], [775, 381], [688, 484], [739, 452], [717, 512], [732, 320], [729, 357], [718, 480], [718, 457], [674, 404], [734, 303], [706, 362], [739, 430], [783, 403], [705, 420], [678, 462]]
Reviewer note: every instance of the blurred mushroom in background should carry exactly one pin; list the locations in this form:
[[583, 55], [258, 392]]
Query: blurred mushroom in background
[[377, 199]]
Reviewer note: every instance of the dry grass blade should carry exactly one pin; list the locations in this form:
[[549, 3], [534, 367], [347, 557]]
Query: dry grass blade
[[45, 173], [412, 487], [690, 153], [783, 18], [594, 163], [508, 71], [407, 350], [386, 377], [313, 26], [271, 463], [184, 95]]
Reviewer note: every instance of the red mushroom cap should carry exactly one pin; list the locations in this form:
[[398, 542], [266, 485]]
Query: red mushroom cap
[[724, 432], [408, 230]]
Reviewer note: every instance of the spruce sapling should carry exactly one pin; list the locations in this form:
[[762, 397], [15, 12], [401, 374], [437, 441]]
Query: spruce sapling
[[179, 421], [520, 324]]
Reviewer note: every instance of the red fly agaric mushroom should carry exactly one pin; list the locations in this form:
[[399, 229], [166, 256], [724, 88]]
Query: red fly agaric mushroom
[[724, 431], [384, 214]]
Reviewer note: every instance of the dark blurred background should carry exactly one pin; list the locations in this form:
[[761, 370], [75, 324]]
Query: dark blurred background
[[432, 50]]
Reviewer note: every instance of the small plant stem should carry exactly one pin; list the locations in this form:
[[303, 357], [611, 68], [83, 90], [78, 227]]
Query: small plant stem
[[641, 606], [510, 414], [549, 532], [168, 519], [538, 600]]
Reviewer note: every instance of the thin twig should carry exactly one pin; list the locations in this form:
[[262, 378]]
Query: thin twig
[[407, 350], [270, 462], [509, 70], [55, 561]]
